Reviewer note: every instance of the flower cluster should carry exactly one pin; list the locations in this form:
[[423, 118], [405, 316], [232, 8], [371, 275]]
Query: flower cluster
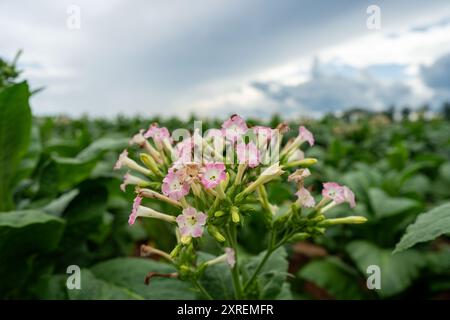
[[212, 182]]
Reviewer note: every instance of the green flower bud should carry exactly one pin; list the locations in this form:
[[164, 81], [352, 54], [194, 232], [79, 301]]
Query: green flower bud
[[214, 231], [346, 220], [150, 163], [235, 217], [219, 213], [307, 162], [301, 236], [176, 251]]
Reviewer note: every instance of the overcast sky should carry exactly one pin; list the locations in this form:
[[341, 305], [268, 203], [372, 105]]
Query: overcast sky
[[219, 57]]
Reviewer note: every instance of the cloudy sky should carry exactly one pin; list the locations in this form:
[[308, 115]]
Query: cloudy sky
[[253, 57]]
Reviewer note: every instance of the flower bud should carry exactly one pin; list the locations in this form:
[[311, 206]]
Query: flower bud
[[346, 220], [235, 214], [301, 236], [150, 163], [219, 214], [174, 253], [307, 162], [214, 231]]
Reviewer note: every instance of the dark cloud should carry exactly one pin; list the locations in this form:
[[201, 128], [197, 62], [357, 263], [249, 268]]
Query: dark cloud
[[146, 56], [328, 92], [437, 75]]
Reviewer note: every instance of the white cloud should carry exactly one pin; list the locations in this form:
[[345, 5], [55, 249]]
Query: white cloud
[[181, 56]]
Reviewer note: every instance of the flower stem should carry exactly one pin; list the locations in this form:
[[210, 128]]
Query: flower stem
[[231, 235], [269, 251], [202, 289]]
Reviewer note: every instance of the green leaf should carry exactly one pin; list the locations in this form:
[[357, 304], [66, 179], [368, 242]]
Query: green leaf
[[386, 206], [428, 226], [217, 279], [62, 173], [57, 206], [272, 276], [100, 146], [51, 287], [15, 126], [31, 158], [438, 262], [84, 214], [130, 273], [397, 271], [23, 234], [337, 278], [93, 288]]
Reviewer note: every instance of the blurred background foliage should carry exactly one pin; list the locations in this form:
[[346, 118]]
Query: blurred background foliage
[[61, 205]]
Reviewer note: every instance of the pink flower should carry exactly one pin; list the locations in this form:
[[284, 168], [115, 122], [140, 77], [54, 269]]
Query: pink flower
[[183, 150], [349, 197], [248, 154], [174, 186], [191, 223], [138, 139], [213, 134], [334, 191], [156, 133], [299, 175], [296, 155], [234, 128], [134, 211], [306, 135], [122, 158], [263, 134], [212, 174], [230, 256], [305, 198]]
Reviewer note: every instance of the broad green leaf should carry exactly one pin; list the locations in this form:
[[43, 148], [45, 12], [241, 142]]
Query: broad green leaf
[[273, 274], [23, 234], [93, 288], [15, 126], [62, 173], [337, 278], [130, 273], [217, 279], [444, 171], [51, 287], [385, 206], [438, 262], [100, 146], [428, 226], [58, 205], [285, 292], [397, 271], [84, 214], [31, 158]]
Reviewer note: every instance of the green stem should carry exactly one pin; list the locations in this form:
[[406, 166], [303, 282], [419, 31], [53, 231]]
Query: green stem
[[269, 251], [202, 289], [231, 235]]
